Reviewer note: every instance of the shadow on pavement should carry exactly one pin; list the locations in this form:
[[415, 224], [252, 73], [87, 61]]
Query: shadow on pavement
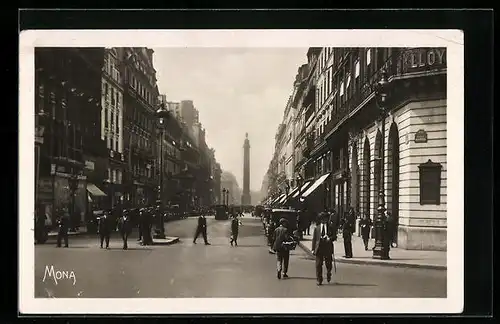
[[250, 245], [130, 249], [302, 278], [352, 284]]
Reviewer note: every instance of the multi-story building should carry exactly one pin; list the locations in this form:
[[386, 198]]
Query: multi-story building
[[112, 122], [217, 186], [73, 158], [174, 108], [140, 104], [189, 114], [351, 149], [353, 136], [229, 182], [215, 174]]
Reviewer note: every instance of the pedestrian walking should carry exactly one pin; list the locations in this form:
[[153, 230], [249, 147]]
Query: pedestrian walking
[[388, 234], [366, 226], [105, 228], [201, 229], [125, 227], [235, 225], [271, 227], [138, 221], [62, 228], [283, 243], [146, 225], [322, 247], [391, 230], [347, 230]]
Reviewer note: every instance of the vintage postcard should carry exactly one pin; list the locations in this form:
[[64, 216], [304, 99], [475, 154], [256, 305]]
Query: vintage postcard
[[241, 171]]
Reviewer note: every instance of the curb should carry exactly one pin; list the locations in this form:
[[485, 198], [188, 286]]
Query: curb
[[380, 262], [168, 242]]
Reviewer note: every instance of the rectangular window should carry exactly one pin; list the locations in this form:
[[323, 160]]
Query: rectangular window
[[324, 89], [329, 82], [117, 123], [112, 96], [430, 183], [368, 56], [342, 88], [357, 68]]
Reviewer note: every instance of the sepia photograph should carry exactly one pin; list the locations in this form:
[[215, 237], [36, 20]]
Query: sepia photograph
[[222, 171]]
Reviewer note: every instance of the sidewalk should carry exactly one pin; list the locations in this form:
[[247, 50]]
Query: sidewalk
[[81, 230], [399, 257]]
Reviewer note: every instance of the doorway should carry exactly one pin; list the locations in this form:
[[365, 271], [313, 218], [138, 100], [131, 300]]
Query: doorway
[[393, 171], [366, 178], [355, 180], [378, 177]]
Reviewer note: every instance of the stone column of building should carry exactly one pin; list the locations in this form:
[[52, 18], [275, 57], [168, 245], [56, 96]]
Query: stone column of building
[[245, 198]]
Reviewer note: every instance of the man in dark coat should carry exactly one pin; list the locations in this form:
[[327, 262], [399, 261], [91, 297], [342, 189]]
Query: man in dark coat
[[281, 236], [366, 226], [138, 221], [388, 234], [235, 225], [62, 228], [105, 228], [391, 230], [271, 226], [347, 230], [146, 226], [125, 226], [334, 220], [322, 247], [201, 229]]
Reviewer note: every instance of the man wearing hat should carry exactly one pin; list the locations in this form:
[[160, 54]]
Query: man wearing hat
[[124, 224], [282, 254], [322, 247]]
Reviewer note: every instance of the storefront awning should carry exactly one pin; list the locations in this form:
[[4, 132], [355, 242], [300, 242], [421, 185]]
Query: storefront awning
[[304, 186], [282, 200], [94, 191], [278, 199], [293, 192], [315, 185]]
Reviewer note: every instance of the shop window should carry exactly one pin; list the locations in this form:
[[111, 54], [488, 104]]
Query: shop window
[[430, 183]]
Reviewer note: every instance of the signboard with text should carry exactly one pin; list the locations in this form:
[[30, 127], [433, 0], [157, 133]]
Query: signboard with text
[[422, 59]]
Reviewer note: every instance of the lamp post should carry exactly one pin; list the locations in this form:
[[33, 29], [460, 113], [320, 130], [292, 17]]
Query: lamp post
[[380, 250], [73, 185], [162, 116], [39, 130], [224, 196]]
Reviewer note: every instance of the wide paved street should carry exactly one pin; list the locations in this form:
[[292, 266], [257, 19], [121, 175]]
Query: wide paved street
[[219, 270]]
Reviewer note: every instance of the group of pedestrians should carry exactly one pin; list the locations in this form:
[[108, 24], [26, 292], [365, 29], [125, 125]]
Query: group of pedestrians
[[328, 225], [116, 219]]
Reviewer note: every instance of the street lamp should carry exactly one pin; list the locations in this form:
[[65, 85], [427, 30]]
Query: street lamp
[[380, 250], [73, 186], [39, 130], [162, 116]]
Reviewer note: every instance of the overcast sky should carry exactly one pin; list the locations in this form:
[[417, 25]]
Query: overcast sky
[[236, 90]]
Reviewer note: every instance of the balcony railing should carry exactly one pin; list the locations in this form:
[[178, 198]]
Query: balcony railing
[[404, 62]]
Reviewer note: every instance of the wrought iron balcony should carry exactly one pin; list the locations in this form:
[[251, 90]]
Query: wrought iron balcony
[[414, 62]]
